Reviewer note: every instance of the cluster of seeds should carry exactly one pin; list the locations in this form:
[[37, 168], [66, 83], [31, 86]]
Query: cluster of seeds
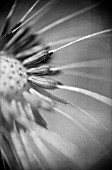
[[12, 75]]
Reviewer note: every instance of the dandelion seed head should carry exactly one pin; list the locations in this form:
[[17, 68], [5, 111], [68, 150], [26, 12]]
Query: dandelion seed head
[[13, 75], [38, 128]]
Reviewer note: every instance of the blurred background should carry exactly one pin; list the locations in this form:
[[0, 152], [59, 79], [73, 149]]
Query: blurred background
[[92, 140]]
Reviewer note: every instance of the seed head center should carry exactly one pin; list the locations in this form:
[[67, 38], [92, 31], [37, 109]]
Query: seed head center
[[12, 75]]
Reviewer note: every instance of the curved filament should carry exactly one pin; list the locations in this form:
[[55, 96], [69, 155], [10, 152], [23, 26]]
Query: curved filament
[[94, 95], [82, 11]]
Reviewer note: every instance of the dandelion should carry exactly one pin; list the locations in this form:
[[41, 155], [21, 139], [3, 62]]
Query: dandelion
[[27, 78]]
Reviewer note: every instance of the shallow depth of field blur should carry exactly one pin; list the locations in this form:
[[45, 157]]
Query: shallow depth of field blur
[[93, 142]]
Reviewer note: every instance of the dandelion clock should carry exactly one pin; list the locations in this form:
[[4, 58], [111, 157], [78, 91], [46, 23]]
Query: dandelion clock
[[55, 84]]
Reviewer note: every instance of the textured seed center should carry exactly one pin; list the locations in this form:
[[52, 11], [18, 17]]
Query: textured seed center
[[12, 75]]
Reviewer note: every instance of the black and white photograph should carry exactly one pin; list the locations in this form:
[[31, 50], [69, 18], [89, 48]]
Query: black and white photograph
[[55, 85]]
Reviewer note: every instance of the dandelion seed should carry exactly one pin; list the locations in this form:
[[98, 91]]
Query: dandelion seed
[[67, 18], [97, 96], [82, 38]]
